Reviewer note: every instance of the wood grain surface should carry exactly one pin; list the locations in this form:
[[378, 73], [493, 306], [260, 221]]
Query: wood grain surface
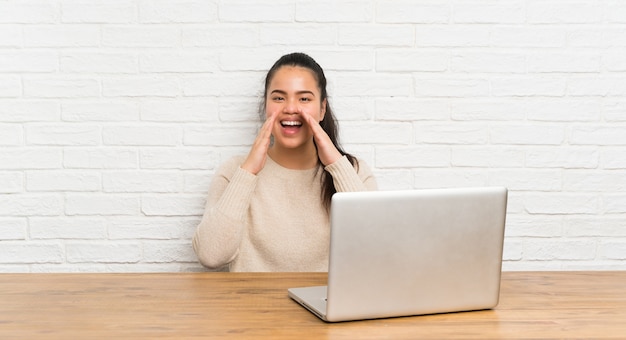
[[533, 305]]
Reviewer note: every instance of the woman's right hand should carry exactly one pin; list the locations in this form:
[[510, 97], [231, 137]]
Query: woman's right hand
[[257, 156]]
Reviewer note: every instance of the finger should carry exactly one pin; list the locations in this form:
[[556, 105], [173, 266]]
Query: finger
[[258, 153], [266, 129], [327, 152], [316, 128], [271, 118]]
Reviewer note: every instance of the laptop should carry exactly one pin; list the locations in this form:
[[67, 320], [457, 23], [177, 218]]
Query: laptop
[[411, 252]]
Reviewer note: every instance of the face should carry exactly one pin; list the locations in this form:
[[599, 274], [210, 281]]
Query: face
[[292, 93]]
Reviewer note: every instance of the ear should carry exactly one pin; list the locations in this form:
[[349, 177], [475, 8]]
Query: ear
[[323, 110]]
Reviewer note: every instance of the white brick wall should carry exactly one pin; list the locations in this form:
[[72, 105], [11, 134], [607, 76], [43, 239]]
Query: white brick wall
[[114, 115]]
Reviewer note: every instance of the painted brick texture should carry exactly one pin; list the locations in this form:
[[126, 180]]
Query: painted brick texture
[[115, 114]]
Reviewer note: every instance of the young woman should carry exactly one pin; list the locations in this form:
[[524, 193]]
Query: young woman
[[268, 210]]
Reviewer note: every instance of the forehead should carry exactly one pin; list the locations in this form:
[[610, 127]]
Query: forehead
[[294, 76]]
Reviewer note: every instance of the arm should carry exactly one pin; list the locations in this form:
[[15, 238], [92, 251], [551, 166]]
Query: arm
[[220, 232], [218, 236], [347, 178]]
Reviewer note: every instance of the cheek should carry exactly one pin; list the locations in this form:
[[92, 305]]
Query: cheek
[[270, 108], [315, 113]]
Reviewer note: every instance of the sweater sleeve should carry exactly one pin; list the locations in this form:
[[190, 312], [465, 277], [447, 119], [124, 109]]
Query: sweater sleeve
[[351, 178], [219, 234]]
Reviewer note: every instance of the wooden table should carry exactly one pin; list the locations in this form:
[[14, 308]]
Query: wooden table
[[546, 305]]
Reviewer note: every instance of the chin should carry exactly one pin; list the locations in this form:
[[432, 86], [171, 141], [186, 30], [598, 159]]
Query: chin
[[290, 143]]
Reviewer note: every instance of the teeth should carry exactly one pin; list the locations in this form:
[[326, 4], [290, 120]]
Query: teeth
[[291, 123]]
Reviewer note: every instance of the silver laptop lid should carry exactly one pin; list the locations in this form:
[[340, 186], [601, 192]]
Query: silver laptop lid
[[396, 253]]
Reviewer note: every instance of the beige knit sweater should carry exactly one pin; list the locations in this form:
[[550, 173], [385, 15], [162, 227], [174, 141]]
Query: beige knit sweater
[[273, 221]]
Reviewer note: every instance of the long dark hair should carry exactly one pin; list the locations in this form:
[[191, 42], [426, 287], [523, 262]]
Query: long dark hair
[[329, 123]]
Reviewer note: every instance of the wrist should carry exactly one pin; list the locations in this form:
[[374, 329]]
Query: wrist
[[249, 168]]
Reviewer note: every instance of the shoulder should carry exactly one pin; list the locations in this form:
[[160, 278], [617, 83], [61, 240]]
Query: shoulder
[[365, 174], [349, 164], [228, 167], [361, 166]]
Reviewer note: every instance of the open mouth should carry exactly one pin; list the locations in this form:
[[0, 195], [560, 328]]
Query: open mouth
[[290, 127], [291, 123]]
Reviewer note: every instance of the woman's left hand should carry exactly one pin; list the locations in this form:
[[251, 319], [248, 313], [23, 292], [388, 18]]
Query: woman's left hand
[[326, 150]]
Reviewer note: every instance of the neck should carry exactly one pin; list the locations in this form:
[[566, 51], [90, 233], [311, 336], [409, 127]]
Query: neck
[[301, 158]]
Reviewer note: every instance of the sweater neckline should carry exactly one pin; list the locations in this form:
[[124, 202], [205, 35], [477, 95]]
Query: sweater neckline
[[275, 167]]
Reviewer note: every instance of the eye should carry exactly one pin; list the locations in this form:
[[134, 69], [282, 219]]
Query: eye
[[305, 99], [277, 98]]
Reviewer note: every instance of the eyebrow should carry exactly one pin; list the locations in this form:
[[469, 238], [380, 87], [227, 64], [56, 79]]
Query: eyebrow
[[298, 92]]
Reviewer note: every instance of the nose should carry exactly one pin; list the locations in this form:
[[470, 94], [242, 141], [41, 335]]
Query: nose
[[291, 106]]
